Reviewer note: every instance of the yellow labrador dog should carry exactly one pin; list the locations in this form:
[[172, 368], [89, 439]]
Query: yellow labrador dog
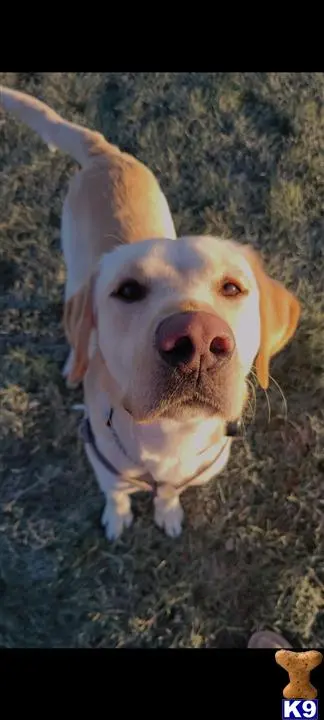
[[163, 332]]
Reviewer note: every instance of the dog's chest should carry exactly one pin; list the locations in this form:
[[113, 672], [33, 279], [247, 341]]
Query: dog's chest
[[173, 455], [171, 452]]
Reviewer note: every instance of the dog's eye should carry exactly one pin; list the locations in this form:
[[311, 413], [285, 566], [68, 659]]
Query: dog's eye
[[131, 291], [230, 289]]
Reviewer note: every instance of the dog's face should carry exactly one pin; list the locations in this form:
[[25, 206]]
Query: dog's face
[[160, 306], [179, 324]]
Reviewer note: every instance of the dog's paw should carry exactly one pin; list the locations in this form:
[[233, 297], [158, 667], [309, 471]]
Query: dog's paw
[[169, 516], [115, 520]]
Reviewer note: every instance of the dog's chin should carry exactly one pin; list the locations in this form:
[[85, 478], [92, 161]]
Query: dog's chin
[[181, 410], [189, 410]]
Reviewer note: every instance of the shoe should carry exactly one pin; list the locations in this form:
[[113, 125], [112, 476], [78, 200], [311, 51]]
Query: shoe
[[266, 639]]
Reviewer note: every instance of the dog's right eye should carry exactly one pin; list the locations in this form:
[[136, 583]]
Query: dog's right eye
[[130, 291]]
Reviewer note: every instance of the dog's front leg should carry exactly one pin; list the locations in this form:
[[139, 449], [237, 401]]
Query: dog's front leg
[[117, 514], [168, 513]]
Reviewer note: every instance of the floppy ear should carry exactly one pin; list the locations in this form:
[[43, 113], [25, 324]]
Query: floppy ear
[[279, 316], [78, 323]]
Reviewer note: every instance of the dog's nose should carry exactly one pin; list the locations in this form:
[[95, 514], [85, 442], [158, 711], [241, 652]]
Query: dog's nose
[[189, 340]]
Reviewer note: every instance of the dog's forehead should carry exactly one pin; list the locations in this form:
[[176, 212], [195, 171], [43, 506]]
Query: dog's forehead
[[194, 257], [189, 256], [213, 255]]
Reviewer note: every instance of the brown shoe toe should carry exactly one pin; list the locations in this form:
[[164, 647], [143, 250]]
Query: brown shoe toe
[[266, 639]]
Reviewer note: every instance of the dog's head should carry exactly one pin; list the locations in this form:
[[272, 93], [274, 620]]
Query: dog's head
[[179, 325]]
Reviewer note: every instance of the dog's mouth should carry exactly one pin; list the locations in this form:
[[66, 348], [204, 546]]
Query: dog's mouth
[[185, 398], [182, 398], [181, 408], [189, 406]]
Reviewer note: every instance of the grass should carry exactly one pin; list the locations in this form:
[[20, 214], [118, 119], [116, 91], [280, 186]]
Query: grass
[[240, 155]]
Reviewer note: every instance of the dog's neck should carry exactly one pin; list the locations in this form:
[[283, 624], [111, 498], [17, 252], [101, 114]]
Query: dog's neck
[[169, 449]]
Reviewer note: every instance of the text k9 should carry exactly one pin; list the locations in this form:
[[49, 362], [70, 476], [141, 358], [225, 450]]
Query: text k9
[[300, 709]]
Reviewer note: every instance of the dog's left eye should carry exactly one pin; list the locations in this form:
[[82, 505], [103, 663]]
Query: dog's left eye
[[130, 291], [230, 289]]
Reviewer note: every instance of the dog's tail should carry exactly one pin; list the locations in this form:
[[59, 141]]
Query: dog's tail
[[79, 142]]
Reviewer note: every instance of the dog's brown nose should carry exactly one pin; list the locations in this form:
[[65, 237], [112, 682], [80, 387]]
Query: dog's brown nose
[[190, 340]]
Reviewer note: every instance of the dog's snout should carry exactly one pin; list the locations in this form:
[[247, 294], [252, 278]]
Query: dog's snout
[[189, 340]]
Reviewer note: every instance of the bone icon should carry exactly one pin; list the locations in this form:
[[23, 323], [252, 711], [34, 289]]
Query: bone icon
[[299, 666]]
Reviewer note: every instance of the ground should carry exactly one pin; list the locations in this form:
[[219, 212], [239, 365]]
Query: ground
[[239, 155]]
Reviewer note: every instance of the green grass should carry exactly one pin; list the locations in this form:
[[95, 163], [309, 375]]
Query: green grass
[[240, 155]]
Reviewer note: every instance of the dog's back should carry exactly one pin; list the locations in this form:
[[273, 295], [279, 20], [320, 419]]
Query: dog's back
[[113, 199]]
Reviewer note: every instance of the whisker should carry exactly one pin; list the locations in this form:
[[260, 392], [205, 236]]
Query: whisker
[[248, 411], [250, 408], [269, 404], [254, 376], [115, 237], [282, 395], [245, 443], [266, 394], [250, 384]]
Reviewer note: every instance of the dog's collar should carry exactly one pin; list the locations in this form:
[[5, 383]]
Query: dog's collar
[[87, 435], [88, 438], [233, 428], [118, 442]]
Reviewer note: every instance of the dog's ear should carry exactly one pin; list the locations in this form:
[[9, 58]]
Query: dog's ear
[[78, 323], [279, 316]]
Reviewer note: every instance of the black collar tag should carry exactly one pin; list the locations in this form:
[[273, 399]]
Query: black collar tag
[[234, 428]]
